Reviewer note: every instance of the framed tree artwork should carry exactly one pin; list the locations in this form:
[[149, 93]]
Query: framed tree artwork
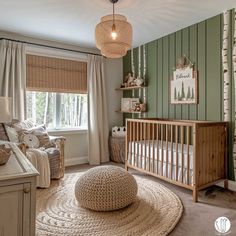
[[184, 86]]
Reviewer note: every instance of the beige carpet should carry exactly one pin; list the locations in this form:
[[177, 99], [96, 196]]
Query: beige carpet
[[156, 211], [198, 219]]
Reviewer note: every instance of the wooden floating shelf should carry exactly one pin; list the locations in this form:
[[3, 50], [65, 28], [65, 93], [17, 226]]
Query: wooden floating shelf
[[134, 112], [131, 88]]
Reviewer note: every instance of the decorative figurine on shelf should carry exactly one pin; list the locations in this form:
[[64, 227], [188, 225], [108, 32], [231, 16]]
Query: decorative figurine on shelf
[[182, 62], [137, 107], [129, 81], [143, 106], [138, 81], [140, 107], [127, 77]]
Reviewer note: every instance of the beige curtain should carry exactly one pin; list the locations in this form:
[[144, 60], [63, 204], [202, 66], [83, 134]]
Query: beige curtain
[[13, 75], [98, 121]]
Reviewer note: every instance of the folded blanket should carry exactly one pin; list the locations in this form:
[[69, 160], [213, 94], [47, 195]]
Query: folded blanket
[[39, 159]]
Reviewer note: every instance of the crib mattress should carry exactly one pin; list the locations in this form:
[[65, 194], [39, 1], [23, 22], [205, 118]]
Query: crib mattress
[[162, 157]]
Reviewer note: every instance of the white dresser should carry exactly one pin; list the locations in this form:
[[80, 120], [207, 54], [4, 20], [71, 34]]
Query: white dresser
[[17, 196]]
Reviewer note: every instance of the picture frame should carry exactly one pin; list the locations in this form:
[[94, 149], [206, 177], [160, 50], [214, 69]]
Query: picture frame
[[128, 104], [184, 86], [125, 104]]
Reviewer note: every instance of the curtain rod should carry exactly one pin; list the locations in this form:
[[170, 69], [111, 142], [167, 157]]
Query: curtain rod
[[47, 46]]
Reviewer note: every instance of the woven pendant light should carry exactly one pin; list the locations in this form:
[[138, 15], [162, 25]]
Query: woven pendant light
[[113, 35]]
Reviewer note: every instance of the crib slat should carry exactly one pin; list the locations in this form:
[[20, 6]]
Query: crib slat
[[157, 148], [134, 138], [127, 148], [177, 152], [167, 151], [141, 148], [139, 138], [162, 164], [182, 153], [171, 152], [136, 142], [145, 147], [131, 142], [188, 143], [153, 137], [149, 146]]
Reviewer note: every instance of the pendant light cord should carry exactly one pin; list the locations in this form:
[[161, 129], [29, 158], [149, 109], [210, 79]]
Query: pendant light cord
[[113, 13]]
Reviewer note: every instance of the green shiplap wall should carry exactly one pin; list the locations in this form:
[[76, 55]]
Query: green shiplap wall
[[201, 43]]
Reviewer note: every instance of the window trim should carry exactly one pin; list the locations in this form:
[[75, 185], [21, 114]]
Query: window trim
[[83, 130], [56, 53], [57, 115]]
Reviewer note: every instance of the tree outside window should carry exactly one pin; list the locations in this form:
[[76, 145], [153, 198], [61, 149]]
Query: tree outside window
[[57, 110]]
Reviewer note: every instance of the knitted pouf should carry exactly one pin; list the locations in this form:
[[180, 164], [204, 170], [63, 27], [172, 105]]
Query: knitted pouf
[[106, 188]]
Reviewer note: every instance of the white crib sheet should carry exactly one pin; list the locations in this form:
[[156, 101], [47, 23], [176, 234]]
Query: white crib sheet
[[143, 148]]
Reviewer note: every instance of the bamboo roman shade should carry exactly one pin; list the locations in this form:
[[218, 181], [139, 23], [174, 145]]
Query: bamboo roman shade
[[48, 74]]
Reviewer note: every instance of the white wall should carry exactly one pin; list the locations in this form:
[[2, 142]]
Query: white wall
[[114, 75], [76, 149]]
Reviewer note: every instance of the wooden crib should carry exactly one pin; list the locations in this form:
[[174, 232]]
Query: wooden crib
[[191, 154]]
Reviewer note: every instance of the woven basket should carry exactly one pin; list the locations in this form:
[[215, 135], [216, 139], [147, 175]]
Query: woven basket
[[4, 155], [117, 149]]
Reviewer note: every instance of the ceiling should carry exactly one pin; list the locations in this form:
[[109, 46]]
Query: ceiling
[[74, 21]]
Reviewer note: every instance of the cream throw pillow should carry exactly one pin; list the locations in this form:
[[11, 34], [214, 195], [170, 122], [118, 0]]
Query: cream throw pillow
[[35, 137]]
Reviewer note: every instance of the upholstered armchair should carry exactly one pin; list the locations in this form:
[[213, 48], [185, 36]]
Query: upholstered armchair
[[45, 152], [57, 167]]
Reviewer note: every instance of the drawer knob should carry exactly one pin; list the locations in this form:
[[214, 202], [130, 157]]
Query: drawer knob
[[26, 190]]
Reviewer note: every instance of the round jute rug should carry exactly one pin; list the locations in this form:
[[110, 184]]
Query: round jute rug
[[156, 211]]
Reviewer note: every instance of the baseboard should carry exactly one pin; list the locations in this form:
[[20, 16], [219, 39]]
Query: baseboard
[[231, 184], [76, 161]]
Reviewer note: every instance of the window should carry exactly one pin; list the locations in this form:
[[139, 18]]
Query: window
[[57, 110], [56, 92]]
